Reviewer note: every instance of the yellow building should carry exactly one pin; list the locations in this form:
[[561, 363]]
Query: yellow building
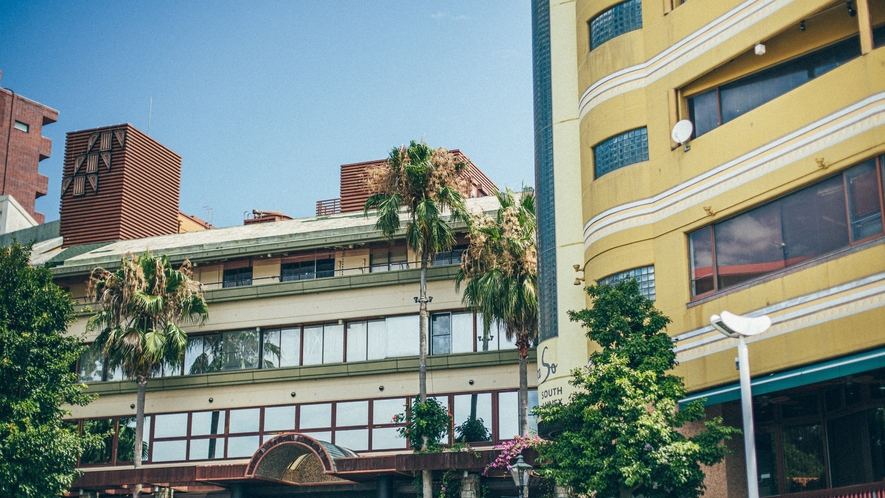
[[772, 203]]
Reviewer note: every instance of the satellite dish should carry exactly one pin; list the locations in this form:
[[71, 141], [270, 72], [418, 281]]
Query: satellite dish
[[682, 131]]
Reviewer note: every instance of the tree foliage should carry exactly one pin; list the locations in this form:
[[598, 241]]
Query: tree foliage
[[619, 429], [501, 274], [38, 452]]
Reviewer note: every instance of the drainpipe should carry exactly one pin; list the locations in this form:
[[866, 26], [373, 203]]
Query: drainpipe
[[8, 137]]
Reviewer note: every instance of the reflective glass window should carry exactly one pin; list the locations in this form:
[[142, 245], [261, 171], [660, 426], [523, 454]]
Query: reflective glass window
[[207, 448], [473, 417], [169, 451], [383, 410], [237, 277], [170, 425], [126, 439], [104, 452], [242, 446], [244, 420], [387, 438], [352, 413], [376, 337], [354, 439], [441, 333], [356, 341], [333, 343], [240, 349], [207, 423], [315, 416], [508, 415], [279, 418], [462, 332], [402, 336], [313, 345], [803, 458]]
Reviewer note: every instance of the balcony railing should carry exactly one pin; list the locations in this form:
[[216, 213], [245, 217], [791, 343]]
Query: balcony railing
[[328, 206]]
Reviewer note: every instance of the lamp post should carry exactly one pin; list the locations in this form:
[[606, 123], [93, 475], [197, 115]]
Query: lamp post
[[520, 473], [741, 327]]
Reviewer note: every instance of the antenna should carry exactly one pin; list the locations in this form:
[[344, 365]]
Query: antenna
[[150, 113], [682, 132], [209, 213]]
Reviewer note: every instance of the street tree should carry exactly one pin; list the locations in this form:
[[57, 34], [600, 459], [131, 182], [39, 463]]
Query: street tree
[[38, 451], [141, 308], [426, 184], [618, 434], [501, 274]]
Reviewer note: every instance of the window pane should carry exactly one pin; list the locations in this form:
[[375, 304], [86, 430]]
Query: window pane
[[90, 366], [270, 349], [207, 423], [316, 416], [703, 110], [203, 354], [352, 413], [333, 344], [376, 347], [387, 438], [533, 403], [356, 439], [240, 349], [242, 446], [383, 410], [492, 335], [766, 464], [701, 254], [356, 341], [441, 333], [749, 245], [171, 425], [245, 420], [814, 221], [102, 454], [290, 347], [207, 449], [621, 18], [126, 439], [473, 417], [313, 345], [325, 268], [803, 458], [863, 200], [320, 435], [508, 415], [402, 336], [279, 418], [169, 451], [462, 332]]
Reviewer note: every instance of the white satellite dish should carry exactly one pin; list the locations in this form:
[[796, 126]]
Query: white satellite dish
[[682, 131]]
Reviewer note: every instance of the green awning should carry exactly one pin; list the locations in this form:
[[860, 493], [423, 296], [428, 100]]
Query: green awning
[[828, 370]]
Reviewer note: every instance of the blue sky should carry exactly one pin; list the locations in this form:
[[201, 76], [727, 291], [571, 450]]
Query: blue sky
[[265, 100]]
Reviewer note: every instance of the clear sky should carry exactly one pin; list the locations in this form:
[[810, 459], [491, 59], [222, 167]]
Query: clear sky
[[265, 100]]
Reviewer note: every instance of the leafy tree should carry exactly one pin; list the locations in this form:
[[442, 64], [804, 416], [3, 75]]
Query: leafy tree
[[38, 452], [141, 307], [501, 269], [619, 429], [426, 182]]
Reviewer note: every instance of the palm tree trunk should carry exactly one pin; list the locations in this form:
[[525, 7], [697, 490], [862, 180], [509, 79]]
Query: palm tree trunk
[[522, 347], [141, 383], [426, 475]]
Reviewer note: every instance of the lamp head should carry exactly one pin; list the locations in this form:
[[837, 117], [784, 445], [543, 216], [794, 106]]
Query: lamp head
[[519, 471], [733, 325]]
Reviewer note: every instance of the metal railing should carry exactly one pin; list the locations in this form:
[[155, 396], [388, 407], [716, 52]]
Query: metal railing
[[328, 206]]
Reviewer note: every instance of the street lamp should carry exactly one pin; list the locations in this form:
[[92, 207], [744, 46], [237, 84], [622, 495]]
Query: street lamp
[[741, 327], [520, 473]]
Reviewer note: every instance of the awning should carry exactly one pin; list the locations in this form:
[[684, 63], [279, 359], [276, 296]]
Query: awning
[[819, 372]]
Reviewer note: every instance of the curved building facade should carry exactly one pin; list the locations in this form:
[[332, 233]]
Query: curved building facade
[[773, 205]]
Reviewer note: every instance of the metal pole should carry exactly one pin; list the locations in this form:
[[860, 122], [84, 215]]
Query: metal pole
[[747, 410]]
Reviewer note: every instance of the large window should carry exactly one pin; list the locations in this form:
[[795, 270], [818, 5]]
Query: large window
[[236, 433], [237, 277], [620, 19], [724, 103], [621, 150], [451, 333], [832, 214], [305, 270], [387, 259]]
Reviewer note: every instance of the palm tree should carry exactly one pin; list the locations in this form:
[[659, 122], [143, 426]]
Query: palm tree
[[142, 306], [501, 269], [426, 182]]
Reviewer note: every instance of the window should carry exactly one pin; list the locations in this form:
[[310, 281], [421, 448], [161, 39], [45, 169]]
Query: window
[[387, 259], [829, 215], [644, 275], [621, 150], [21, 126], [615, 21], [451, 333], [724, 103], [452, 257], [323, 344], [237, 277], [497, 339], [304, 270]]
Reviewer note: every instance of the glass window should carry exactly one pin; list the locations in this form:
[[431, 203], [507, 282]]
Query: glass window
[[333, 343], [356, 341], [383, 410], [203, 354], [304, 270], [462, 333], [441, 333], [766, 460], [244, 420], [508, 415], [320, 435], [621, 150], [376, 346], [103, 453], [313, 345], [402, 336], [803, 458], [352, 413], [620, 19], [242, 446], [473, 417], [207, 423], [354, 439], [452, 257], [533, 403], [169, 451], [387, 438], [316, 416], [279, 418], [171, 425], [90, 368], [806, 224], [126, 439], [240, 349], [207, 448], [237, 277], [644, 275], [21, 126]]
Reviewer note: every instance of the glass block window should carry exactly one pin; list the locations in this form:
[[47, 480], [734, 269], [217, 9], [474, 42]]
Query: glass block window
[[615, 21], [621, 150], [644, 275]]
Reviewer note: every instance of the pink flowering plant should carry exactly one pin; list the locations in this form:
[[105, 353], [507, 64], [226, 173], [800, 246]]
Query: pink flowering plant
[[511, 449]]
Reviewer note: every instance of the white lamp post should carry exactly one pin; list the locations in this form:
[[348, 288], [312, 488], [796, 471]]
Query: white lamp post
[[520, 473], [732, 325]]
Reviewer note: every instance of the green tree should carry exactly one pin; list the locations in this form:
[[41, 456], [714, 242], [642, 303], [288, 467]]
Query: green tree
[[501, 269], [142, 306], [38, 452], [426, 183], [619, 429]]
